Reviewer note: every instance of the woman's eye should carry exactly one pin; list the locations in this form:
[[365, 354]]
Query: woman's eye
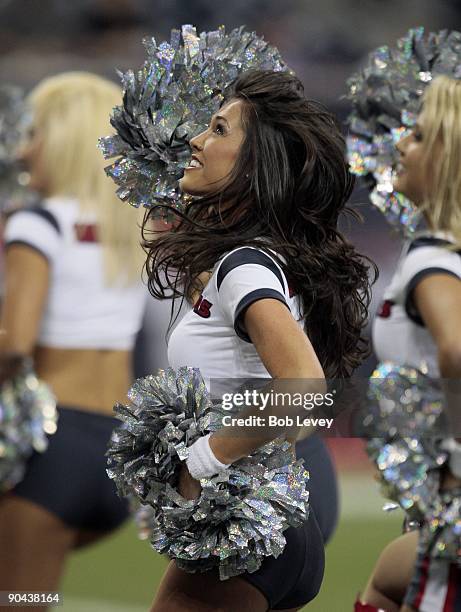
[[417, 136], [219, 129]]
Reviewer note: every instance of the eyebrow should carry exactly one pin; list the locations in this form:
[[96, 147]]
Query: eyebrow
[[222, 118]]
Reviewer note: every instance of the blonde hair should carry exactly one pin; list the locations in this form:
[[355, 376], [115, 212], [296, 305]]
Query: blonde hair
[[70, 112], [441, 114]]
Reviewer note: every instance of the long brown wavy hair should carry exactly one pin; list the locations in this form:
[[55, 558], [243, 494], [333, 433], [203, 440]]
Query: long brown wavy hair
[[284, 196]]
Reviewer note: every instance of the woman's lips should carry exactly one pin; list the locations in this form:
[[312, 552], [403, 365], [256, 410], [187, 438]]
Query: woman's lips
[[399, 169], [194, 164]]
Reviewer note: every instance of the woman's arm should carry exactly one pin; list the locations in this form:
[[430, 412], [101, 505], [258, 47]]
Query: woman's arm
[[24, 298], [286, 353], [438, 300], [392, 574], [282, 345]]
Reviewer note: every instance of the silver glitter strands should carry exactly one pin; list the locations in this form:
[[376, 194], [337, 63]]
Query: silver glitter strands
[[404, 402], [14, 119], [28, 416], [241, 513], [442, 530], [169, 101], [405, 411], [144, 518], [386, 97]]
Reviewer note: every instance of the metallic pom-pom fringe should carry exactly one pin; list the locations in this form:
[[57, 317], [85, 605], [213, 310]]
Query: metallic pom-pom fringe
[[27, 416], [169, 101], [406, 415], [14, 120], [386, 98], [241, 513]]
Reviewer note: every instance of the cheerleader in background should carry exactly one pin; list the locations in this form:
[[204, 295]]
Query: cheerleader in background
[[286, 298], [74, 301], [420, 325]]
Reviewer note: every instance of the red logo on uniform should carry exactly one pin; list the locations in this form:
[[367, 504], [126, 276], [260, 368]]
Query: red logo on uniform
[[86, 232], [202, 307], [385, 309]]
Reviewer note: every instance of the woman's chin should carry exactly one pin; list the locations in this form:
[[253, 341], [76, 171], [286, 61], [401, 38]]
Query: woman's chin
[[187, 187], [399, 185], [400, 188], [38, 186]]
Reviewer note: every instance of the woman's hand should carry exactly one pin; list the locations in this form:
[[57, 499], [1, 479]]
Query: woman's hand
[[188, 487]]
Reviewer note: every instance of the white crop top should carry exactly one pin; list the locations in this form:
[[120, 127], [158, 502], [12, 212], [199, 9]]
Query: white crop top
[[81, 310], [399, 334], [211, 335]]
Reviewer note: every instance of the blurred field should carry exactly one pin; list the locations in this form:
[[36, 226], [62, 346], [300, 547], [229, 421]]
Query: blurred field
[[122, 573]]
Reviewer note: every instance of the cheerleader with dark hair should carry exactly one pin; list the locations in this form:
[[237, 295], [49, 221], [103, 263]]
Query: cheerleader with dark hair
[[276, 292]]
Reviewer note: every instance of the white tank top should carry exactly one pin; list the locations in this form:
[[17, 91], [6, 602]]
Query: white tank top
[[399, 334], [81, 310], [211, 335]]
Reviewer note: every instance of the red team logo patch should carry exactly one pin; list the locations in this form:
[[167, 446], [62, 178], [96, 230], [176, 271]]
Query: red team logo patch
[[385, 309], [85, 232], [202, 307]]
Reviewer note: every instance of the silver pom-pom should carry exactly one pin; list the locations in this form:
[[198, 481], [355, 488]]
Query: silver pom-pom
[[406, 412], [409, 473], [404, 402], [168, 412], [169, 101], [144, 518], [386, 98], [14, 119], [28, 416], [443, 528], [241, 513]]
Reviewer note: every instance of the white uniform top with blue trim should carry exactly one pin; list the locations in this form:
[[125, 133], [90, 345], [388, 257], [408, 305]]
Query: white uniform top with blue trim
[[399, 334], [211, 335], [82, 311]]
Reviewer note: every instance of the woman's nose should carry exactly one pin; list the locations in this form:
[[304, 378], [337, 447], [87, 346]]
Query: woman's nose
[[401, 145], [22, 152], [197, 141], [24, 149]]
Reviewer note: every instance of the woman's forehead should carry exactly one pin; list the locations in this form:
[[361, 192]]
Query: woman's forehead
[[231, 111]]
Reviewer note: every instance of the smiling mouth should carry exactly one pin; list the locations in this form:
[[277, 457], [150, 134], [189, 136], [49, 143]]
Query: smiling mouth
[[194, 164]]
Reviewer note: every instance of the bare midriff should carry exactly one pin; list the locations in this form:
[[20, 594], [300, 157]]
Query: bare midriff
[[88, 379]]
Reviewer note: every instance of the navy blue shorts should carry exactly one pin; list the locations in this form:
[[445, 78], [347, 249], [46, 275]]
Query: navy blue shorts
[[69, 479], [294, 578], [323, 489]]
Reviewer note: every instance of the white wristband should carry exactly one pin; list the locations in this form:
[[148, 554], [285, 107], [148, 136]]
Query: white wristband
[[201, 462], [454, 461]]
